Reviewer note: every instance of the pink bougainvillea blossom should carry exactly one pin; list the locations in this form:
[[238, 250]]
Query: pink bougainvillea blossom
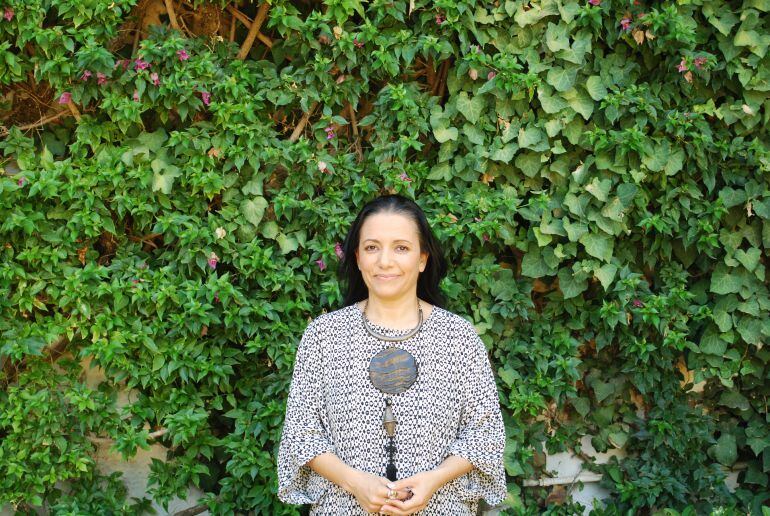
[[154, 78], [699, 62], [625, 23], [183, 55], [136, 95], [491, 75], [357, 43], [21, 181], [682, 67], [405, 177], [65, 97], [86, 75], [329, 132], [206, 97], [486, 237], [141, 64], [338, 250], [440, 19], [638, 303], [594, 2], [321, 264], [216, 297], [100, 78], [8, 14], [213, 260]]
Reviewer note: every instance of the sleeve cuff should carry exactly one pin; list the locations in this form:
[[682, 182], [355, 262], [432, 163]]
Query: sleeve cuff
[[300, 484], [486, 480]]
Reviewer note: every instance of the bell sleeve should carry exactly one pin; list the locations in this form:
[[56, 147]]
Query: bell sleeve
[[304, 435], [481, 435]]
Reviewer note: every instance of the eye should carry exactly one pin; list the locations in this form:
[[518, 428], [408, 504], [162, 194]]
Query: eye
[[367, 247], [404, 247]]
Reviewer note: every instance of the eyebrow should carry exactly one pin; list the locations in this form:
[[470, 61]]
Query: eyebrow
[[375, 240]]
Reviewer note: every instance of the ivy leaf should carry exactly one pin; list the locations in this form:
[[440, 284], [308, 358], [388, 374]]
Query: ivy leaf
[[749, 259], [444, 134], [598, 245], [470, 108], [595, 88], [726, 450], [254, 209], [724, 282], [556, 37], [605, 274], [560, 78]]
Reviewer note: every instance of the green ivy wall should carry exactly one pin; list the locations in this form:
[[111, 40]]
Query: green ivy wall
[[175, 177]]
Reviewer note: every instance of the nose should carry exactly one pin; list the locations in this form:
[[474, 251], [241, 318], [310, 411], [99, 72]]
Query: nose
[[384, 257]]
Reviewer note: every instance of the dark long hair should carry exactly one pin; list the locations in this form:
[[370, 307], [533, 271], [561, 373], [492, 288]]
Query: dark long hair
[[428, 280]]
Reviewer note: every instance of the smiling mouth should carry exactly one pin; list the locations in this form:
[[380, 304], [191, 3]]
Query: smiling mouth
[[386, 277]]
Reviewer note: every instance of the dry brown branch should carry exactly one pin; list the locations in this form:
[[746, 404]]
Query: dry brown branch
[[42, 121], [441, 79], [171, 14], [74, 110], [232, 28], [302, 123], [253, 31], [245, 20]]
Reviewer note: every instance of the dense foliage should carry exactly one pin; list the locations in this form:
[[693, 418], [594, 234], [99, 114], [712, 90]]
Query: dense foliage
[[174, 185]]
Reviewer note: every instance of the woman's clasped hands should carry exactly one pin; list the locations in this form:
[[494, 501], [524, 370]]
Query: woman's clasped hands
[[421, 487], [412, 493]]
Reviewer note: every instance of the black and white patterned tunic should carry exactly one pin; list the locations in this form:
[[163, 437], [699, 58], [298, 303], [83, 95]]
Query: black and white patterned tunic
[[452, 409]]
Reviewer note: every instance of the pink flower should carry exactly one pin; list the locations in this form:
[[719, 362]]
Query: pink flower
[[699, 62], [329, 132], [440, 19], [213, 260], [183, 56], [65, 98], [8, 14], [405, 177], [357, 43], [206, 97], [86, 75], [21, 181], [682, 66], [625, 23], [491, 75], [100, 78], [136, 95], [486, 237], [154, 78], [141, 64], [637, 303], [338, 250], [594, 2], [321, 264], [216, 297]]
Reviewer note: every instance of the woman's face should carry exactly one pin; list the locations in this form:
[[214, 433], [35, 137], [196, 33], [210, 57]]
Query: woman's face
[[389, 255]]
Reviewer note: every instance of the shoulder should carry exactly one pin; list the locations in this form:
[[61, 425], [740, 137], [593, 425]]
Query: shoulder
[[463, 334]]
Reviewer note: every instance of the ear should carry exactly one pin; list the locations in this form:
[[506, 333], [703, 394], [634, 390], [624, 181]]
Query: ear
[[423, 261]]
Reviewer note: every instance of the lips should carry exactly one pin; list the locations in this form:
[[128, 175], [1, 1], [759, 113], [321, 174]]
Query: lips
[[387, 277]]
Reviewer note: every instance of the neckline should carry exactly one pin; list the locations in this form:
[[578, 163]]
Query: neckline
[[393, 331]]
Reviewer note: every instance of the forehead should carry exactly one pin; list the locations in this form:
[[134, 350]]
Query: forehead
[[389, 227]]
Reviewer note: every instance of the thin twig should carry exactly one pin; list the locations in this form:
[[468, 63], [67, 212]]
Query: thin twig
[[354, 125], [171, 14], [259, 19], [42, 121], [302, 123], [232, 28]]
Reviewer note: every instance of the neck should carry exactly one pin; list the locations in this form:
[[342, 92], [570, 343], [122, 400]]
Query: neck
[[396, 314]]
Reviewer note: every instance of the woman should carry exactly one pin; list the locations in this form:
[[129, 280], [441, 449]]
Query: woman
[[446, 451]]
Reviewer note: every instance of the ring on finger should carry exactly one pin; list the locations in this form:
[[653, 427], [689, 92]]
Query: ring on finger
[[391, 494]]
